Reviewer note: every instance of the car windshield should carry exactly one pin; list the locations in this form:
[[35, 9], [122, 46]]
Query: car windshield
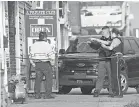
[[81, 48]]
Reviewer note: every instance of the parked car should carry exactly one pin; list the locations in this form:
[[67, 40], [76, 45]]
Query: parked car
[[80, 68]]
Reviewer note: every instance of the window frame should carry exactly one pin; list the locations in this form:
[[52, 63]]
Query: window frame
[[41, 5], [137, 41], [136, 50], [124, 52], [137, 33]]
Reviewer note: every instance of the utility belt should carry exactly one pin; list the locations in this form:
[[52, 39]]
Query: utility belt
[[117, 54], [119, 57]]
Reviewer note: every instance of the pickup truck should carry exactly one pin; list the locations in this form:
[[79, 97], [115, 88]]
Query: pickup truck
[[80, 69]]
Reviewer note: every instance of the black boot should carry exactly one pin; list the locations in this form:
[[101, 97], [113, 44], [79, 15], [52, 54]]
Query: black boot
[[112, 94], [118, 96], [96, 93], [37, 97], [48, 97]]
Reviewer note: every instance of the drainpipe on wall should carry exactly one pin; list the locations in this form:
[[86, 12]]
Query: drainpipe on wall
[[58, 27], [128, 21], [17, 40]]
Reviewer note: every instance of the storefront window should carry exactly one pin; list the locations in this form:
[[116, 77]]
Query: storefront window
[[39, 5], [137, 33]]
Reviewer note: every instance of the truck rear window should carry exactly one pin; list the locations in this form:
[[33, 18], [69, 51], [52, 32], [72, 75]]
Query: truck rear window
[[81, 48], [134, 45], [138, 42], [127, 46]]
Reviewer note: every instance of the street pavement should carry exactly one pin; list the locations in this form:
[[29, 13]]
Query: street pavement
[[76, 99]]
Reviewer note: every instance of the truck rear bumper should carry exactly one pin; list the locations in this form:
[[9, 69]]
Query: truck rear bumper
[[72, 80]]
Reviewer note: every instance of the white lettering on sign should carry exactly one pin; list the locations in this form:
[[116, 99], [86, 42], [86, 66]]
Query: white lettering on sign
[[36, 28], [40, 12], [41, 21], [41, 29]]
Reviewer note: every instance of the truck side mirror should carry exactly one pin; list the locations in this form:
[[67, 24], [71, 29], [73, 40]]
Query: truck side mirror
[[131, 52], [62, 51]]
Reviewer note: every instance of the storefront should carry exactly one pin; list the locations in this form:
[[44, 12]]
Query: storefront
[[45, 21], [17, 37]]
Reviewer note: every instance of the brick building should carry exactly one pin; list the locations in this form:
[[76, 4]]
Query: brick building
[[14, 33]]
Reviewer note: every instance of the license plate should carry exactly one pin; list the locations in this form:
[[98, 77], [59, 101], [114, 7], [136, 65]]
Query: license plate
[[80, 75], [79, 81]]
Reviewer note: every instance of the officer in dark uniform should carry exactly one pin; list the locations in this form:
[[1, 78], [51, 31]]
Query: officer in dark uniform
[[116, 49], [104, 64]]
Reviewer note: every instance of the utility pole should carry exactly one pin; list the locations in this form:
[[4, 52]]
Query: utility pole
[[58, 26], [58, 44]]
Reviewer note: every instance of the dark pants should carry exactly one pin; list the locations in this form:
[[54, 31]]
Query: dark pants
[[115, 74], [43, 69], [104, 67]]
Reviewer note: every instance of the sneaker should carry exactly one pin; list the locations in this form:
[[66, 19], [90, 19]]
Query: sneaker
[[96, 93]]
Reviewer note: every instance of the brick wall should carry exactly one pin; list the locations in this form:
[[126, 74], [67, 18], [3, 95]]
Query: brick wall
[[11, 11]]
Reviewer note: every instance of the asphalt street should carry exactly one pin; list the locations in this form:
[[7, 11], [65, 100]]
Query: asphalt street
[[76, 99]]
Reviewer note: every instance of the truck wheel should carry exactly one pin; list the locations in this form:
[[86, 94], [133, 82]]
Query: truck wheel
[[65, 90], [86, 90], [124, 82], [137, 88]]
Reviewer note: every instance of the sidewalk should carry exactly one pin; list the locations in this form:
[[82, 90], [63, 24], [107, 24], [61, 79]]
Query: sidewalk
[[80, 101]]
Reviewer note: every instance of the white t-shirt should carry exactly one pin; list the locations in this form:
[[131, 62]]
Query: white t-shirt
[[42, 51]]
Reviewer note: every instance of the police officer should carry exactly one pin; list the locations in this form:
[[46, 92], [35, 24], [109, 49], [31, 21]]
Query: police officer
[[115, 48], [41, 59], [104, 64]]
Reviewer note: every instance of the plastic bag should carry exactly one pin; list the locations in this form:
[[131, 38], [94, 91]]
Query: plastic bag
[[20, 91]]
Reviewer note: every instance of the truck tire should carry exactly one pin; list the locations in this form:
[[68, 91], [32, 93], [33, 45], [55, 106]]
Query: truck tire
[[65, 90], [86, 90], [137, 88], [124, 82]]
